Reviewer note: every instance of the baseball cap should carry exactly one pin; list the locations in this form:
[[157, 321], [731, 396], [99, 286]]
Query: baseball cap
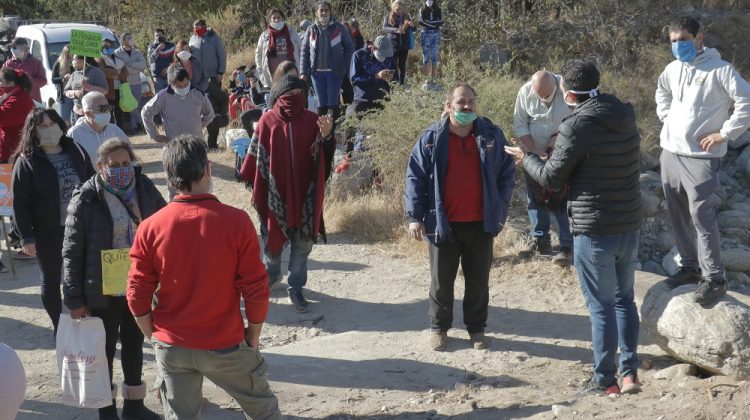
[[19, 42], [383, 45]]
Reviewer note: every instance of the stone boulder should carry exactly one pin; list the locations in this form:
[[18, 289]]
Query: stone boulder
[[649, 161], [733, 219], [716, 339], [743, 161], [740, 142], [736, 258], [649, 203]]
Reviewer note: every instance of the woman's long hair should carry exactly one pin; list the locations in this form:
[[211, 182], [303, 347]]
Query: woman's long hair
[[65, 60], [29, 140]]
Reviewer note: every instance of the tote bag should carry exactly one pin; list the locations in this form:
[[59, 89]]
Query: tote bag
[[82, 362]]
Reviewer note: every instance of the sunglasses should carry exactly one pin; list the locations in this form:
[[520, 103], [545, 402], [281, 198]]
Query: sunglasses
[[100, 109]]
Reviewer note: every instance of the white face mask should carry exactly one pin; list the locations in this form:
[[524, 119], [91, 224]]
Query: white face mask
[[278, 25], [18, 53], [49, 136], [182, 92], [184, 55], [102, 119]]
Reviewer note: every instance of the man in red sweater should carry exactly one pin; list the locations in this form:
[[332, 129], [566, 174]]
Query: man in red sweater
[[22, 59], [197, 327]]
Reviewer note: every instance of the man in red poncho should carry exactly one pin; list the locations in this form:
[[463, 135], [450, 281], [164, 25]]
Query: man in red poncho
[[286, 167]]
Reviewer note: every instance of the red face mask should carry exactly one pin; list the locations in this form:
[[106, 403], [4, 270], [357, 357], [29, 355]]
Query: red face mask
[[289, 107], [200, 31]]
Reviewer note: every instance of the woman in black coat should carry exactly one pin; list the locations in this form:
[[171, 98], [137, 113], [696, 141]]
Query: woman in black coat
[[48, 168], [104, 215]]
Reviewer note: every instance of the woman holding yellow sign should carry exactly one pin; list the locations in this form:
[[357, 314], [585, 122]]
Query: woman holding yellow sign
[[102, 219]]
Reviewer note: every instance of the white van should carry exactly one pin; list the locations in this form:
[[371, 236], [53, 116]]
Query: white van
[[46, 40]]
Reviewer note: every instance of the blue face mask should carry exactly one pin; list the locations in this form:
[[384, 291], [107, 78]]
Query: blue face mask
[[241, 77], [108, 51], [684, 50]]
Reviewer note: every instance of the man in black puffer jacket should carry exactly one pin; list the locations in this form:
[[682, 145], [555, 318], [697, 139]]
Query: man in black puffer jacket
[[597, 153]]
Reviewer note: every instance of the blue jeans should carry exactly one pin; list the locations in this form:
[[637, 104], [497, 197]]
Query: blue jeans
[[606, 271], [430, 46], [540, 220], [300, 251], [327, 88]]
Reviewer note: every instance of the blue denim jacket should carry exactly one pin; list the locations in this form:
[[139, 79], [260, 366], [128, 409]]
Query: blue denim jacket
[[425, 176]]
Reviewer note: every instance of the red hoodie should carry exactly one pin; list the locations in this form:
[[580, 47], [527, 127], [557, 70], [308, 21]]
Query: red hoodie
[[202, 255], [13, 113]]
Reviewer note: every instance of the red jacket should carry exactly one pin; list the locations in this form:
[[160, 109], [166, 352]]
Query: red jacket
[[202, 255], [35, 69], [13, 113]]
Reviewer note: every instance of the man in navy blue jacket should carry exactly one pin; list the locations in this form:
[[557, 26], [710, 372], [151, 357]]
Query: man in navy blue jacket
[[458, 187]]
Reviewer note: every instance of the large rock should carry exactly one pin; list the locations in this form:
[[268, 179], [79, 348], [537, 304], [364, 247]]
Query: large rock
[[743, 161], [733, 219], [649, 162], [736, 258], [741, 141], [671, 261], [649, 203], [740, 234], [716, 339]]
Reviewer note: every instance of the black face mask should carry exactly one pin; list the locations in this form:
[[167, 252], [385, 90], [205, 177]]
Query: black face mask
[[160, 40]]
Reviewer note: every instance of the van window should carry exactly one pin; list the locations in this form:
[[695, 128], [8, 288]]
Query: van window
[[36, 51], [53, 52]]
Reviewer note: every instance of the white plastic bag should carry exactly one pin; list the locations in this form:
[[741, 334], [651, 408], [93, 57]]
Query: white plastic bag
[[82, 362]]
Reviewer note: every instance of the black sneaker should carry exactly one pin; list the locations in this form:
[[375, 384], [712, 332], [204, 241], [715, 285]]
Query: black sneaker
[[537, 246], [299, 301], [684, 275], [564, 258], [591, 387], [709, 292]]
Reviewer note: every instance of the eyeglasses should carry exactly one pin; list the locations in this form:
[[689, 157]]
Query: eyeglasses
[[100, 109]]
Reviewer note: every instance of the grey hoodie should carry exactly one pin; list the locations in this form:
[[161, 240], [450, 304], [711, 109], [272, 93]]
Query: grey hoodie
[[209, 50], [693, 100], [179, 115], [83, 134]]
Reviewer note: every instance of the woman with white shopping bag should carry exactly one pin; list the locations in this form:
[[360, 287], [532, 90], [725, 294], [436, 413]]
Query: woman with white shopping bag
[[102, 219]]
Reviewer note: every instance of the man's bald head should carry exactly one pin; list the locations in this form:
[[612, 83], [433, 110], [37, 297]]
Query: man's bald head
[[544, 84]]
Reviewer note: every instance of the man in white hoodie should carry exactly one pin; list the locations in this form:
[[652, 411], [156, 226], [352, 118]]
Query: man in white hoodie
[[95, 128], [693, 98]]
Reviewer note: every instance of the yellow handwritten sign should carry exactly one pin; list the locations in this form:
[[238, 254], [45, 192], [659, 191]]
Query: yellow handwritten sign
[[115, 266]]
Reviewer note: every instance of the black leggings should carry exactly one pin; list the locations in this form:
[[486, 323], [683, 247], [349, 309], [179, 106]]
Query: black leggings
[[119, 323], [49, 258], [400, 57]]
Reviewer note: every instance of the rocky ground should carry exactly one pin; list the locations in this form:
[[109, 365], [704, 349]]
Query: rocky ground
[[361, 352]]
